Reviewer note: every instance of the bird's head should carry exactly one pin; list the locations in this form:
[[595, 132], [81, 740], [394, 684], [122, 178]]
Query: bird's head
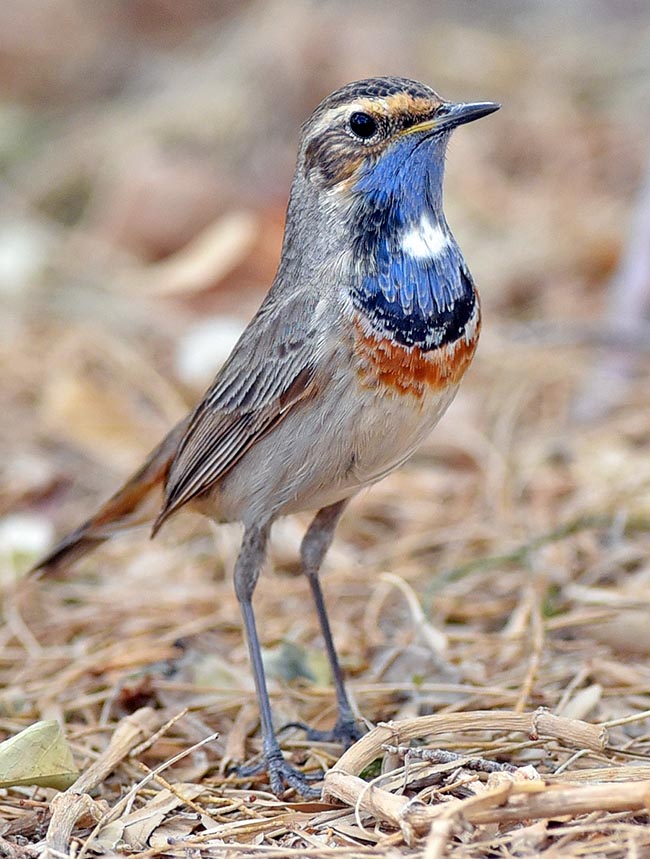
[[381, 137]]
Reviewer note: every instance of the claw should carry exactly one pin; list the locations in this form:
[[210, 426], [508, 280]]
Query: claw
[[282, 776], [345, 731]]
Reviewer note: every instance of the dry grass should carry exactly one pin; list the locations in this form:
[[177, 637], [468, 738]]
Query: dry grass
[[499, 581], [518, 617]]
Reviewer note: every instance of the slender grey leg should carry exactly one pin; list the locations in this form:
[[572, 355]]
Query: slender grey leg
[[315, 544], [247, 570]]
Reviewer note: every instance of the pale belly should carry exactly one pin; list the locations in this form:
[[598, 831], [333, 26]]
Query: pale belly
[[326, 451]]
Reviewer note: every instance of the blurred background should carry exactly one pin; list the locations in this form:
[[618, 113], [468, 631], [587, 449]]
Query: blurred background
[[146, 152]]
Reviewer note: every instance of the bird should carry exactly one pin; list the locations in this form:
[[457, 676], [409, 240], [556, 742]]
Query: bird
[[354, 355]]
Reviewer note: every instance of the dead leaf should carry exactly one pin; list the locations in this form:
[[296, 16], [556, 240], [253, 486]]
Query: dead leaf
[[38, 755], [172, 830], [135, 828]]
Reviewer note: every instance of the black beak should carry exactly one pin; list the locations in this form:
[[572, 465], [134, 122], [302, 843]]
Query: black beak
[[448, 116], [459, 114]]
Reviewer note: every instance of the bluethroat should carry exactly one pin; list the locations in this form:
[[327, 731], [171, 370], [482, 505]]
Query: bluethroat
[[351, 360]]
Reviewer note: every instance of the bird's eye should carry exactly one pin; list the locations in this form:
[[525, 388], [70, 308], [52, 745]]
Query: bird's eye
[[363, 125], [443, 110]]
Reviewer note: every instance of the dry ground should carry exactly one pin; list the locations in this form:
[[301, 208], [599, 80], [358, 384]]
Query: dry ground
[[490, 599]]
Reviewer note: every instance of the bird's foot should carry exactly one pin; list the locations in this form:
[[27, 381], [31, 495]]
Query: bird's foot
[[346, 731], [283, 776]]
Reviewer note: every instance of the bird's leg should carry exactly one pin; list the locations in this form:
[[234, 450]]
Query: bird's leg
[[247, 570], [314, 545]]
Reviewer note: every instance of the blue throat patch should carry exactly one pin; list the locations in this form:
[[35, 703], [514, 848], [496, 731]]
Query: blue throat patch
[[417, 301]]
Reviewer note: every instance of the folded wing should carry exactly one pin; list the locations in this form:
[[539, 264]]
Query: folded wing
[[274, 367]]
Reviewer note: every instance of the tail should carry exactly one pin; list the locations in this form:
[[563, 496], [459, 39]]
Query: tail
[[137, 501]]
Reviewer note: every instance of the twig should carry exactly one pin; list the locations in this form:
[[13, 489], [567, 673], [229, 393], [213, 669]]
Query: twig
[[442, 756], [343, 782]]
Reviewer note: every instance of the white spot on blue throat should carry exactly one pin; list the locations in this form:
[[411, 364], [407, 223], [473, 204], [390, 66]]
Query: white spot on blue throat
[[425, 240]]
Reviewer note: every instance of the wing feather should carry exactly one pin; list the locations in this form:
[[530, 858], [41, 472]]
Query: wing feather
[[274, 366]]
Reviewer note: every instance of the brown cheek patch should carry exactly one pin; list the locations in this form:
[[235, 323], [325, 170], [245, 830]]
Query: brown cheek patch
[[409, 370], [332, 157], [343, 168]]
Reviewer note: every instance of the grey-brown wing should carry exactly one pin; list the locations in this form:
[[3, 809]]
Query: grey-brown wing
[[273, 367]]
